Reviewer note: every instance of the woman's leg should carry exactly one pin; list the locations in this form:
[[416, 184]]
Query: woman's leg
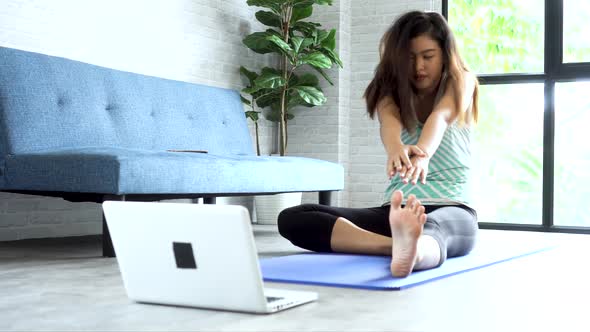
[[333, 229], [453, 228], [416, 244], [368, 231]]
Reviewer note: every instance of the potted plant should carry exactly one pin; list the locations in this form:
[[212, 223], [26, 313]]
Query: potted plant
[[300, 45]]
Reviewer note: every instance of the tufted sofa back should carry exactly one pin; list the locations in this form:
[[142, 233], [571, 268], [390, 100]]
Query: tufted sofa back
[[50, 103]]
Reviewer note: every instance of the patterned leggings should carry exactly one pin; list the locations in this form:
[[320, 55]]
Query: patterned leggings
[[309, 226]]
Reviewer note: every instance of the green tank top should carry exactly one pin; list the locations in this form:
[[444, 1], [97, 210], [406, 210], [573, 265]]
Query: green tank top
[[448, 181]]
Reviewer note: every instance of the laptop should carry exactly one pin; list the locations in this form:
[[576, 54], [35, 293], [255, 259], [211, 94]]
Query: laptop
[[196, 255]]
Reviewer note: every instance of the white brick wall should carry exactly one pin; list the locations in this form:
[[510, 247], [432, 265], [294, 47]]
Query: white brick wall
[[200, 41]]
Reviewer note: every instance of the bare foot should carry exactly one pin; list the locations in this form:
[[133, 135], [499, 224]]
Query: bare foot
[[406, 227]]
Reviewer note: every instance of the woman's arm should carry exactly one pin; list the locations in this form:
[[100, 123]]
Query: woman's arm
[[390, 124], [443, 114], [390, 130]]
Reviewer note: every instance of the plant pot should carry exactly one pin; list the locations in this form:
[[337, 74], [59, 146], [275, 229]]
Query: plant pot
[[268, 207], [245, 201]]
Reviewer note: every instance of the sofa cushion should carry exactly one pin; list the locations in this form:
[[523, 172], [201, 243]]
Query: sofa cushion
[[137, 171], [49, 103]]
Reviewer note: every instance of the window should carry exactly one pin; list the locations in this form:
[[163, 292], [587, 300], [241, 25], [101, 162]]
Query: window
[[572, 154], [576, 45], [510, 113], [532, 58], [499, 36]]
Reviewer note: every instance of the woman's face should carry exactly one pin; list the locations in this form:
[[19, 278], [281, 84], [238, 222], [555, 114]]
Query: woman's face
[[426, 59]]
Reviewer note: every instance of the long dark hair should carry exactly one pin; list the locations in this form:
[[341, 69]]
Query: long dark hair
[[392, 76]]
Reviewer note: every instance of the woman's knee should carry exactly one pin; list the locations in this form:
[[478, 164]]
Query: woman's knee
[[293, 219], [290, 218], [462, 245]]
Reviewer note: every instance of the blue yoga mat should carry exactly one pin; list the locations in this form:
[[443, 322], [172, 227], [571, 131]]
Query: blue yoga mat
[[372, 272]]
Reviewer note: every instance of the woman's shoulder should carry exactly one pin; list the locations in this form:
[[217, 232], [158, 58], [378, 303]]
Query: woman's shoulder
[[387, 101], [468, 78], [469, 75], [465, 85]]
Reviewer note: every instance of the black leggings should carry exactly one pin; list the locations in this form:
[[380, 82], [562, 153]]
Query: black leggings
[[309, 226]]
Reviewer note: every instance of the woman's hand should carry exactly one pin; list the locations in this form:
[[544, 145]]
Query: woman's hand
[[418, 171], [399, 160]]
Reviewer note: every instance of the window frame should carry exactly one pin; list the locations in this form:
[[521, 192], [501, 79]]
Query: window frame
[[555, 71]]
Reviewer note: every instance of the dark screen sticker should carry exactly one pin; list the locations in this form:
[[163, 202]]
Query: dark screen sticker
[[183, 253]]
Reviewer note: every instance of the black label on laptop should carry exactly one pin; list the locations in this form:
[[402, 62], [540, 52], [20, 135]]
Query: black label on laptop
[[183, 252]]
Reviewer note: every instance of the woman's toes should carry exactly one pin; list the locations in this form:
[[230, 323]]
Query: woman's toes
[[423, 218], [420, 210], [411, 201], [396, 199], [417, 205]]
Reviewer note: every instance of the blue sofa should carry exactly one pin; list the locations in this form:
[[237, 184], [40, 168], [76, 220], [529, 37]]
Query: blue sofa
[[88, 133]]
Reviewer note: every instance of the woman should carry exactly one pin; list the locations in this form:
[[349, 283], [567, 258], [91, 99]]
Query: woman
[[426, 102]]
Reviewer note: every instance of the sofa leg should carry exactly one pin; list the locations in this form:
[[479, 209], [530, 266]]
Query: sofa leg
[[325, 197], [208, 200], [107, 244]]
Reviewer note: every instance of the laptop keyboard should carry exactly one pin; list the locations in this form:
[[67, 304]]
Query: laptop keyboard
[[270, 299]]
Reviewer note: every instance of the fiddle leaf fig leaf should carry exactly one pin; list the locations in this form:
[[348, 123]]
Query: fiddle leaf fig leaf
[[311, 95]]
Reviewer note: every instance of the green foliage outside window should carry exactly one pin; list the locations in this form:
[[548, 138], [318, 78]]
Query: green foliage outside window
[[499, 36]]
